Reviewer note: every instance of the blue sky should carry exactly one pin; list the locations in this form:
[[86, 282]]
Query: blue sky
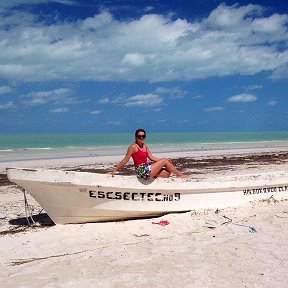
[[101, 66]]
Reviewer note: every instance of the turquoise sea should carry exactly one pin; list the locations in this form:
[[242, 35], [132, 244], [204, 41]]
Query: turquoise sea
[[14, 146]]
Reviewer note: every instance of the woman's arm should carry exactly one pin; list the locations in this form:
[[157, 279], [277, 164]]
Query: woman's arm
[[130, 151], [151, 157]]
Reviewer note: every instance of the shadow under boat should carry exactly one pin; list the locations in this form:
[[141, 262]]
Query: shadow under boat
[[42, 219]]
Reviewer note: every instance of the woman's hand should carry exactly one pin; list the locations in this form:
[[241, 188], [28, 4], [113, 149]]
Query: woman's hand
[[112, 172], [130, 151]]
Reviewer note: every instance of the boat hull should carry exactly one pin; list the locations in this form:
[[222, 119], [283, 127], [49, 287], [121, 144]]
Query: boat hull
[[78, 197]]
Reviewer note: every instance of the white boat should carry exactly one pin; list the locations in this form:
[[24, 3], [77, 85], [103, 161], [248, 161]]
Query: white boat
[[79, 197]]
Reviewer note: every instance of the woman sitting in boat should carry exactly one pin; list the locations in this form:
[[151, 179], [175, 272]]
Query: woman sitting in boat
[[160, 167]]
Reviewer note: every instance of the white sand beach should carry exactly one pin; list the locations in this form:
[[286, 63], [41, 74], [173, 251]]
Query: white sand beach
[[243, 246]]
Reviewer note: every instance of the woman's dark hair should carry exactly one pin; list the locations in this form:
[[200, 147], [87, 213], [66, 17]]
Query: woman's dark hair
[[139, 130]]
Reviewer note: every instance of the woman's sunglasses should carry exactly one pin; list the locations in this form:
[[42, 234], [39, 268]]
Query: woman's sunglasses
[[141, 136]]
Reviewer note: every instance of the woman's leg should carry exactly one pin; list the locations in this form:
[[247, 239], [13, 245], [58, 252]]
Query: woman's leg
[[157, 166], [163, 173]]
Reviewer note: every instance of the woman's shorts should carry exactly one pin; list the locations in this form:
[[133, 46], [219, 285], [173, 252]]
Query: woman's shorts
[[143, 171]]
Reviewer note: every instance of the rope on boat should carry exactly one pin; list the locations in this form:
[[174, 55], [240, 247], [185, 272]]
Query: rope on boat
[[27, 208]]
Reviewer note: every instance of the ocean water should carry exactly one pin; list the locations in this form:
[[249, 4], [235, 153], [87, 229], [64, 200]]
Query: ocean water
[[27, 146]]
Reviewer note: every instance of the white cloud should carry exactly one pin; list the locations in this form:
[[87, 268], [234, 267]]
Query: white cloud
[[172, 92], [141, 100], [148, 8], [57, 96], [104, 100], [6, 106], [95, 112], [135, 59], [272, 102], [280, 72], [97, 22], [232, 40], [228, 17], [5, 89], [5, 4], [273, 25], [254, 87], [213, 109], [242, 98], [59, 110], [196, 97]]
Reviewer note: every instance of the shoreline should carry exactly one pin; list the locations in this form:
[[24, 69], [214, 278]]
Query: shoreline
[[9, 155]]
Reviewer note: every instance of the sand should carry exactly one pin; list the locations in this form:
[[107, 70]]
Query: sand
[[244, 246]]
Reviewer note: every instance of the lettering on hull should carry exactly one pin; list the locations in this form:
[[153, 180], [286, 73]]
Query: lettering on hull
[[134, 196], [265, 190]]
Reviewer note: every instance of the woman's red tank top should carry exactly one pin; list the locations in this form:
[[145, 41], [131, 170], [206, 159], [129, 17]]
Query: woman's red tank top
[[139, 157]]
